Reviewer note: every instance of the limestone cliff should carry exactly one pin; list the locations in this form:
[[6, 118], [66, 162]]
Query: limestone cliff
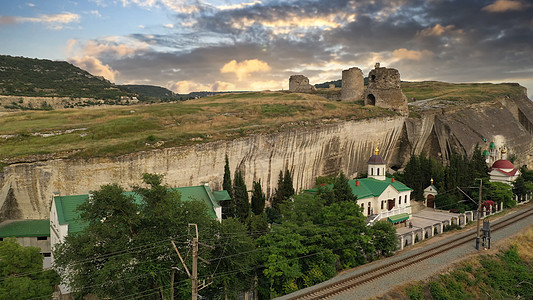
[[26, 189]]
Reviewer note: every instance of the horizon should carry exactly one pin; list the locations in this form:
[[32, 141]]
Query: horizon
[[228, 45]]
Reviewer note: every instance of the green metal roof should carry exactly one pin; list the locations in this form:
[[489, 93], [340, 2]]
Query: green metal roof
[[398, 218], [66, 211], [222, 195], [492, 145], [67, 205], [486, 153], [370, 187], [25, 228]]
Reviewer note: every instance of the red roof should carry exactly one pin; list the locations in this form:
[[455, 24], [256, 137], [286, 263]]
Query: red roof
[[510, 173], [503, 164]]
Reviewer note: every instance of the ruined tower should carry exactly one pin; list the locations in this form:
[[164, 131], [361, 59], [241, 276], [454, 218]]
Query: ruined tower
[[300, 84], [384, 90], [353, 84]]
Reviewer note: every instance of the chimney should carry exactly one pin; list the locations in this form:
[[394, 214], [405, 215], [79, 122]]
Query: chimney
[[392, 179], [357, 183]]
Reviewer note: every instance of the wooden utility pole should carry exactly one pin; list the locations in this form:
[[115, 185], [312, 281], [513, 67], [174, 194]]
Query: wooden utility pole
[[194, 275]]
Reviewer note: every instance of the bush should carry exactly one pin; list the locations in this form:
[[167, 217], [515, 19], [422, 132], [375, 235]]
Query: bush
[[415, 292]]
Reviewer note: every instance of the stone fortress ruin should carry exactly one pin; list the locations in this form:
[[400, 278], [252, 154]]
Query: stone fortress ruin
[[384, 88]]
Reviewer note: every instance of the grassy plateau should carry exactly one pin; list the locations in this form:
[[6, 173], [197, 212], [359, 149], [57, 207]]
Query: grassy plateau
[[115, 130]]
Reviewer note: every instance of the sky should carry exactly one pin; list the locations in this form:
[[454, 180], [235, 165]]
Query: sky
[[220, 45]]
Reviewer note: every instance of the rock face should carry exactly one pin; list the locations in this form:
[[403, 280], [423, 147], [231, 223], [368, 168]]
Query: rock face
[[300, 84], [353, 84], [384, 90], [26, 189]]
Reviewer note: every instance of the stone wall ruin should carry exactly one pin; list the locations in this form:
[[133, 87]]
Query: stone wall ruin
[[384, 90], [300, 84]]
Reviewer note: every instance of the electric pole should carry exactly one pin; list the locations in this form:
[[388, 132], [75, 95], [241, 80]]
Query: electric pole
[[194, 275], [479, 212]]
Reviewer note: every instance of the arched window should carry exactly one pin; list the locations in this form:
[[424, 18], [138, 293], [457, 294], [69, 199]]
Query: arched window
[[400, 200], [371, 171], [378, 171], [381, 204], [405, 199]]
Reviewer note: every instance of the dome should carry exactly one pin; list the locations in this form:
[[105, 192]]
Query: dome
[[376, 160], [503, 164], [492, 145], [486, 153]]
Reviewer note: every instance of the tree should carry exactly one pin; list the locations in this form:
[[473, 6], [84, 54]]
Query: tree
[[22, 274], [342, 190], [228, 207], [226, 184], [284, 190], [125, 249], [519, 187], [240, 197], [258, 198], [384, 238]]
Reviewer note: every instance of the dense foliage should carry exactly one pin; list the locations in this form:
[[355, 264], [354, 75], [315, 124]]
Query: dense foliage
[[21, 76], [21, 272], [126, 250]]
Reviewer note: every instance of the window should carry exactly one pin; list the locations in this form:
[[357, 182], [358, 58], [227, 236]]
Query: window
[[47, 254], [363, 206], [381, 204], [371, 171], [405, 199], [42, 238], [400, 200]]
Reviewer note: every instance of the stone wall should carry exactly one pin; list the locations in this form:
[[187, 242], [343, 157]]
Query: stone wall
[[300, 84]]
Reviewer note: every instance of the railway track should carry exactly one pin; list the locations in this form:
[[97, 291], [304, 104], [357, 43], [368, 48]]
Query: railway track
[[354, 281]]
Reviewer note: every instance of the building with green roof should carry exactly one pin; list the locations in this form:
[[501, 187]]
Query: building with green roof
[[380, 197], [64, 219], [29, 233]]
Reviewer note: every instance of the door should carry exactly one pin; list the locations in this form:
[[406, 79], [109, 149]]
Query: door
[[430, 201], [390, 203]]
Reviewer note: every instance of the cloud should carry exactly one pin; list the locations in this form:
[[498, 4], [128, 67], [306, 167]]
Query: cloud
[[504, 5], [436, 30], [168, 25], [94, 66], [221, 86], [266, 85], [7, 20], [30, 4], [244, 68], [53, 21], [238, 6], [403, 53], [110, 46], [186, 86]]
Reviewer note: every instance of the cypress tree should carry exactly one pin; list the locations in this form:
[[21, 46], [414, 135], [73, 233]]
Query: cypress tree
[[226, 184], [240, 197], [277, 199], [288, 188], [258, 198], [342, 190]]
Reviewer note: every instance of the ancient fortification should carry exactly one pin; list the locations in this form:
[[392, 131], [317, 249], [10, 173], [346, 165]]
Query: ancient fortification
[[384, 90], [353, 84], [300, 84]]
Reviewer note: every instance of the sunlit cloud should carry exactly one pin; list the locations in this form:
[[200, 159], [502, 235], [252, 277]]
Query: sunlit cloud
[[94, 66], [436, 30], [111, 45], [52, 21], [244, 68], [505, 5], [168, 25], [402, 53], [238, 6], [186, 86]]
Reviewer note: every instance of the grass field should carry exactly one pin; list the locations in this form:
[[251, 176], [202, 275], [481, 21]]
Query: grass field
[[116, 130]]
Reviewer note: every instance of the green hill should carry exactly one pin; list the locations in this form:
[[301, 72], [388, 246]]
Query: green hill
[[150, 92], [20, 76]]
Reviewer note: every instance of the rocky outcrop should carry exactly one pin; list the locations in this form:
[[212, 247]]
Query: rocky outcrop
[[26, 188]]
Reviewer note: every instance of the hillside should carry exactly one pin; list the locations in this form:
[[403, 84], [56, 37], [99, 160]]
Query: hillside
[[150, 92], [110, 132], [20, 76]]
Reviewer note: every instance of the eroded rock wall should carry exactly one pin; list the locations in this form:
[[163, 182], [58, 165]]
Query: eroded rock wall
[[26, 188]]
